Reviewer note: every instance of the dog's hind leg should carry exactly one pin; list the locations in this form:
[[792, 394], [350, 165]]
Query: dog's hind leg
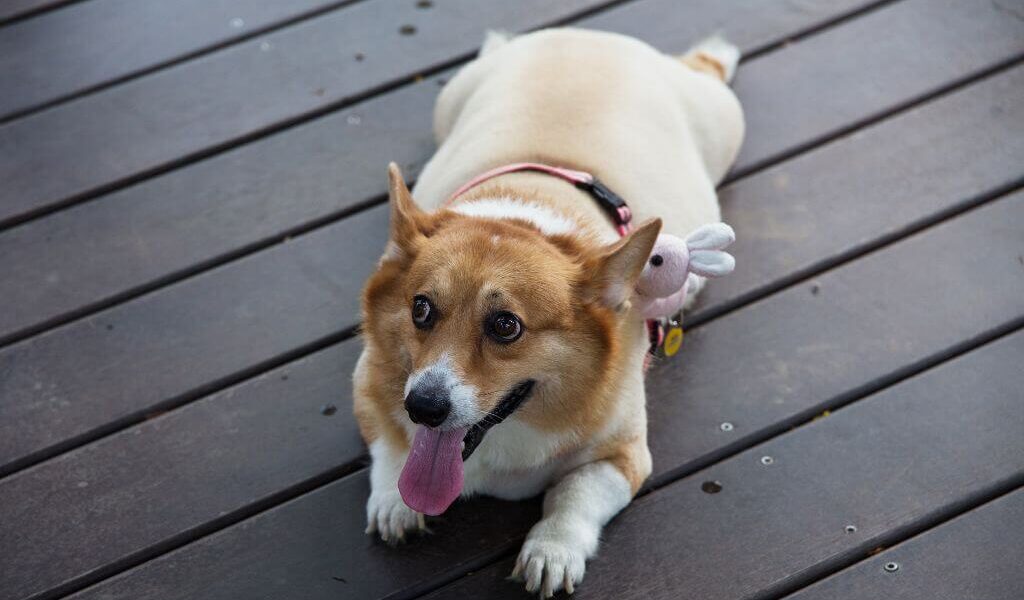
[[714, 56]]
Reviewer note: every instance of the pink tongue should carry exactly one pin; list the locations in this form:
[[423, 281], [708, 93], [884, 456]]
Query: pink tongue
[[432, 477]]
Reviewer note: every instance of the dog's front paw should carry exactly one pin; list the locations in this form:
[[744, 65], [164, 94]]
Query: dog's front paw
[[553, 558], [388, 516]]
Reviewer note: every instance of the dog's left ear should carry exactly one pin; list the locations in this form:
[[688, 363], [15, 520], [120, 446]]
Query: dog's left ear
[[616, 271], [407, 219]]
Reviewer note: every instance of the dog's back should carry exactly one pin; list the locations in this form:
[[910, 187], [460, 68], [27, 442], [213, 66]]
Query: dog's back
[[661, 130]]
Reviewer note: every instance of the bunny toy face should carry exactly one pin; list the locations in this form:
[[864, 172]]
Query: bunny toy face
[[666, 270], [661, 291]]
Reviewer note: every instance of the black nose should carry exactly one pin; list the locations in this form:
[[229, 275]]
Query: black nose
[[428, 406]]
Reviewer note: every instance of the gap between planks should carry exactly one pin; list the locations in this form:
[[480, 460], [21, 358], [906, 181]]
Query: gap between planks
[[900, 535], [37, 11], [918, 538]]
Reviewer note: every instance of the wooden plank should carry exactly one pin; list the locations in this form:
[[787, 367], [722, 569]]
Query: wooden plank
[[225, 205], [155, 122], [888, 465], [174, 474], [287, 542], [90, 44], [976, 555]]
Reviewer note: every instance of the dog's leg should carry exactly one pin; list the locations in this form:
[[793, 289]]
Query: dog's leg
[[714, 56], [386, 513], [556, 550]]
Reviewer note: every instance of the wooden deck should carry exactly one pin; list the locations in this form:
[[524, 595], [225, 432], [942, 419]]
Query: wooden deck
[[191, 195]]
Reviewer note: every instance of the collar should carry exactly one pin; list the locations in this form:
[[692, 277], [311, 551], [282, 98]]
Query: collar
[[612, 203]]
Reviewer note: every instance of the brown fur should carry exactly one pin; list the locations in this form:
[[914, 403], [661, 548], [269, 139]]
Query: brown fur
[[471, 267], [631, 457]]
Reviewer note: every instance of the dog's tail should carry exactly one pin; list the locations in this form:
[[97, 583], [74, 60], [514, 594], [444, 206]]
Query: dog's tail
[[714, 56], [494, 40]]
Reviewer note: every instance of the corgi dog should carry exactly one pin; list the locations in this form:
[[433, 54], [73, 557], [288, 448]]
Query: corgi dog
[[501, 354]]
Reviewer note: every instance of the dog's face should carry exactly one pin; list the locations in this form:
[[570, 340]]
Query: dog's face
[[480, 318]]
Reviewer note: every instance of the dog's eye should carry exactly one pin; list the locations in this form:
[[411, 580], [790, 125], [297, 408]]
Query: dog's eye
[[505, 327], [422, 312]]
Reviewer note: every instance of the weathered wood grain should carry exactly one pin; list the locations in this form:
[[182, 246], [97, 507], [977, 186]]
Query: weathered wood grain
[[51, 158], [844, 332], [89, 44], [878, 182], [909, 456], [835, 336], [166, 347], [963, 31], [145, 487], [187, 218], [976, 555]]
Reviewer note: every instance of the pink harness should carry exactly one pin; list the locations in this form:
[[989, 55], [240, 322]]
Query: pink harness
[[612, 203]]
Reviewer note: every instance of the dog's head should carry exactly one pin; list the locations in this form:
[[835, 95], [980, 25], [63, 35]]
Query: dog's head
[[479, 315]]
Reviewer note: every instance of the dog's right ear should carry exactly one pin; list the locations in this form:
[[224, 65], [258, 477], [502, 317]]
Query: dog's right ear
[[407, 219], [614, 274]]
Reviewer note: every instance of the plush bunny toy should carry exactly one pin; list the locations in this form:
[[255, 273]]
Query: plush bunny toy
[[661, 291]]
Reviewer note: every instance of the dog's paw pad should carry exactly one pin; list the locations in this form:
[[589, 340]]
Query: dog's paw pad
[[549, 566], [388, 516]]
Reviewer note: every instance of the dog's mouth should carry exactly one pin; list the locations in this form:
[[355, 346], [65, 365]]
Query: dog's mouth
[[432, 476], [508, 405]]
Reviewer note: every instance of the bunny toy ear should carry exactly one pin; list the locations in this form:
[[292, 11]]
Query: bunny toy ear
[[705, 245], [711, 263], [714, 236]]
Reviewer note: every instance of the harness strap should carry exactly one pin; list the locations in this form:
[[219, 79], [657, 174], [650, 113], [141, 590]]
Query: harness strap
[[612, 203]]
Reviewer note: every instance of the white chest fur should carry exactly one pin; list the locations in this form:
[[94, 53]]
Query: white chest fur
[[517, 461], [548, 221]]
